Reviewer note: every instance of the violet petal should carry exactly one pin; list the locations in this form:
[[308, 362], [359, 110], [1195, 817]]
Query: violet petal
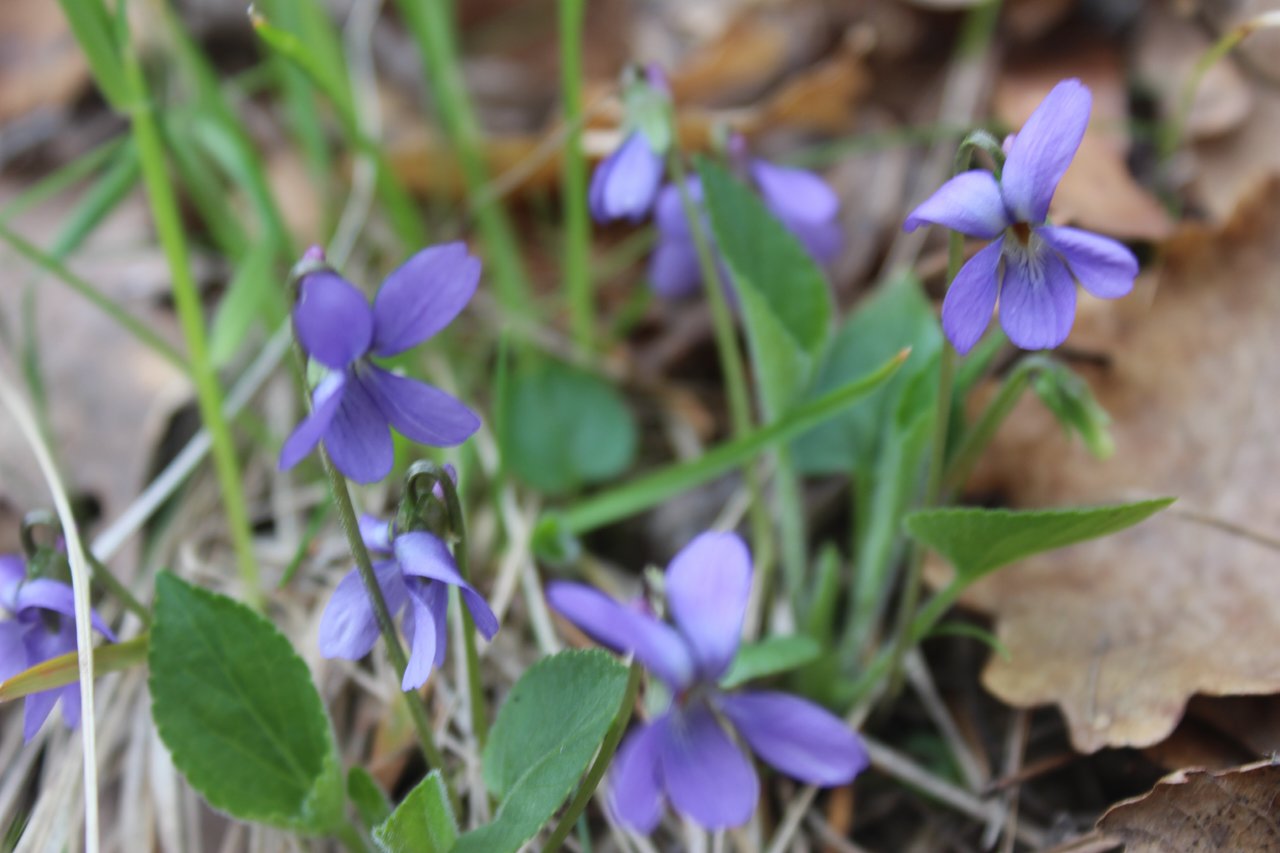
[[708, 584], [657, 645], [332, 319], [425, 555], [704, 772], [635, 783], [971, 298], [674, 271], [359, 438], [801, 739], [60, 598], [417, 410], [1042, 151], [625, 184], [969, 203], [13, 656], [375, 533], [306, 435], [793, 194], [1103, 266], [1037, 300], [426, 640], [42, 645], [348, 628], [423, 296]]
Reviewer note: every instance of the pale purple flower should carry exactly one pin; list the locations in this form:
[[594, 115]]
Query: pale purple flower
[[355, 406], [800, 199], [687, 753], [414, 569], [626, 182], [1031, 267], [39, 624]]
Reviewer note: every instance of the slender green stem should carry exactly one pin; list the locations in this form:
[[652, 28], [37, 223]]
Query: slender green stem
[[381, 614], [140, 330], [731, 363], [933, 486], [434, 31], [577, 225], [607, 749], [103, 577], [186, 297]]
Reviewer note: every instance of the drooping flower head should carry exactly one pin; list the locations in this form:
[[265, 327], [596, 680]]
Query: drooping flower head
[[1031, 268], [626, 182], [800, 199], [355, 406], [37, 623], [414, 569], [686, 754]]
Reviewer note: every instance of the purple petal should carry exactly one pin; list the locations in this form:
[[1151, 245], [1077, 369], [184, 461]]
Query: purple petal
[[674, 271], [971, 298], [425, 555], [348, 628], [60, 598], [797, 195], [423, 296], [418, 411], [668, 212], [1037, 299], [376, 533], [1103, 267], [359, 438], [13, 656], [1042, 151], [658, 646], [635, 786], [324, 405], [969, 203], [625, 183], [70, 696], [822, 240], [42, 645], [705, 774], [430, 603], [708, 584], [13, 571], [332, 319], [797, 737]]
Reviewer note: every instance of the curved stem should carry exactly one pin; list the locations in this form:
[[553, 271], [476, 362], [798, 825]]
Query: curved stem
[[607, 749], [577, 226]]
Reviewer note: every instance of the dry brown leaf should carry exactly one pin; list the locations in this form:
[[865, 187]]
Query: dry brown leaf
[[1236, 809], [1121, 632], [821, 99], [1097, 192], [40, 63]]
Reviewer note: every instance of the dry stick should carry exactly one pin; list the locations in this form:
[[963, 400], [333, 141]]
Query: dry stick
[[975, 777], [80, 587]]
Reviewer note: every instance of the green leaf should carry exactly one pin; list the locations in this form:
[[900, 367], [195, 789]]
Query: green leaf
[[1069, 397], [786, 301], [546, 734], [770, 656], [242, 304], [368, 797], [640, 493], [979, 541], [423, 823], [97, 35], [895, 317], [563, 428], [237, 709]]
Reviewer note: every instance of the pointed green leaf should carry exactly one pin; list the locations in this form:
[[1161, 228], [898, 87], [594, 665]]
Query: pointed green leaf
[[368, 797], [542, 741], [770, 656], [239, 713], [979, 541], [423, 823]]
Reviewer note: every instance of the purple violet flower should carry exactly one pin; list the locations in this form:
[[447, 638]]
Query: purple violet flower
[[415, 569], [626, 182], [39, 625], [1035, 284], [687, 753], [357, 403], [800, 199]]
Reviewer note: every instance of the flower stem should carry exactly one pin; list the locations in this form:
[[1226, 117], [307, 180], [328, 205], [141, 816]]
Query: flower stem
[[933, 486], [607, 749], [731, 361], [573, 196], [186, 297]]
